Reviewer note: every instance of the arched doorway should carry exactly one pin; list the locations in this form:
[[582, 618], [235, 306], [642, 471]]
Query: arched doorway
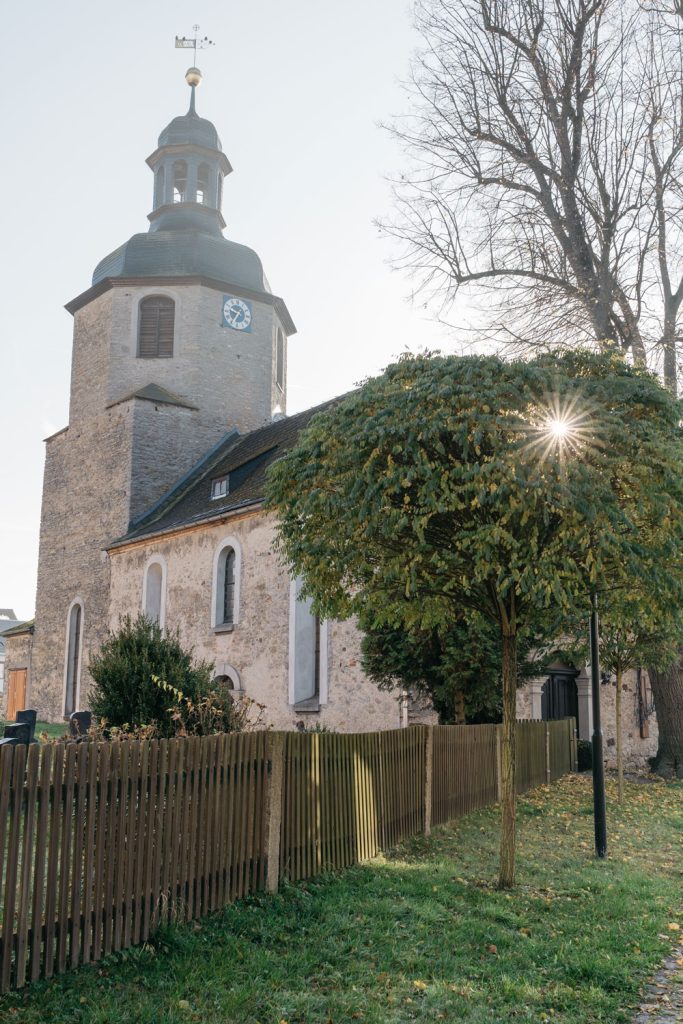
[[559, 696]]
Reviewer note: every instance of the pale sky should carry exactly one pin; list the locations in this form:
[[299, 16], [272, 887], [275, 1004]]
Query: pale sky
[[296, 91]]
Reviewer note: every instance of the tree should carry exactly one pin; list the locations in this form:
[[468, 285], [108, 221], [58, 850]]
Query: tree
[[547, 182], [433, 495], [636, 629], [458, 668], [125, 692]]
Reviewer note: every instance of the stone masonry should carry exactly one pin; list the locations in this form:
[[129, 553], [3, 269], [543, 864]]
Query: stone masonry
[[257, 646], [637, 749], [121, 453]]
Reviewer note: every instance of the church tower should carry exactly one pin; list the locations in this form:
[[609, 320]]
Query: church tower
[[178, 341]]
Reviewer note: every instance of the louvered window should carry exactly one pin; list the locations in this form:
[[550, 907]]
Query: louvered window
[[155, 328]]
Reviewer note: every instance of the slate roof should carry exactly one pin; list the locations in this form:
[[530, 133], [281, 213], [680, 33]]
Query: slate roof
[[9, 627], [245, 458], [185, 252], [190, 129], [155, 393]]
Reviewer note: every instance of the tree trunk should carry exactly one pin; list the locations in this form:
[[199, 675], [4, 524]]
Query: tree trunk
[[458, 705], [620, 746], [667, 690], [506, 877]]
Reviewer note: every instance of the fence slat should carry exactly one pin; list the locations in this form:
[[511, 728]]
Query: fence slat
[[148, 853], [46, 759], [26, 862], [65, 862], [89, 842]]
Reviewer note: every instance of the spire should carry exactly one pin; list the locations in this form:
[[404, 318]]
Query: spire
[[193, 77], [189, 166]]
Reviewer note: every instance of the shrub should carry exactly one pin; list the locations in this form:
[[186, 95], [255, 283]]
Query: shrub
[[125, 693]]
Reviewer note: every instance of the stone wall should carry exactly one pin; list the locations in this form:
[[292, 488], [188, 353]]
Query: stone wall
[[637, 749], [120, 454], [85, 504], [258, 646], [227, 374]]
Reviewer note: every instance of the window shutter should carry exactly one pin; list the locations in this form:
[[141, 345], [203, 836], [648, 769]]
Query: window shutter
[[155, 330]]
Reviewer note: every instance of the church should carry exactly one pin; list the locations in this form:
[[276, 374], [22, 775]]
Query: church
[[153, 493]]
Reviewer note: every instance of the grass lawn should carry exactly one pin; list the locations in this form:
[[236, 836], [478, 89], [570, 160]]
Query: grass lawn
[[53, 729], [421, 934]]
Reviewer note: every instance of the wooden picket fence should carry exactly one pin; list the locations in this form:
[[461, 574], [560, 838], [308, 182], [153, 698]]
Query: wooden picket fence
[[100, 843]]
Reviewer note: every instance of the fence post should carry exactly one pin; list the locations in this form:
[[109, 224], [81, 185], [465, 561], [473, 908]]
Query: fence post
[[547, 754], [573, 746], [429, 775], [275, 752], [499, 763]]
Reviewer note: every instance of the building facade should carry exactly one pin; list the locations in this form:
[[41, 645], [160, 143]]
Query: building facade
[[153, 492], [179, 367]]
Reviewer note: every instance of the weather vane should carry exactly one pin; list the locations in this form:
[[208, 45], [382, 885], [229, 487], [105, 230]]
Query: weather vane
[[195, 43]]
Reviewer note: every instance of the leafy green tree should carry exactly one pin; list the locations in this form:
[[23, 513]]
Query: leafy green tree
[[434, 494], [125, 692], [459, 668], [636, 629]]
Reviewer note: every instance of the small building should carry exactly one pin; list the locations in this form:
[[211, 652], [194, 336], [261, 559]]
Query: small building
[[8, 620], [16, 643]]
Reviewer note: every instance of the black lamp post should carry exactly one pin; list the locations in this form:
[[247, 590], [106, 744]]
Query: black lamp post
[[559, 429], [599, 811]]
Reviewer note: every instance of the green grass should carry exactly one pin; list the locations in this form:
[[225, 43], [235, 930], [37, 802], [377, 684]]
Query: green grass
[[53, 729], [421, 934]]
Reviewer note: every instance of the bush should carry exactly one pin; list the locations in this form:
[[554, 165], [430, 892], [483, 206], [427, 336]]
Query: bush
[[125, 693]]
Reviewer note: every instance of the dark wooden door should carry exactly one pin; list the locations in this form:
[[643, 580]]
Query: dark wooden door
[[559, 698]]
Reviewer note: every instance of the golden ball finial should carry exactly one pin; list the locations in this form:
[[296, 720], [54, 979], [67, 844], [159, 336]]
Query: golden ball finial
[[193, 76]]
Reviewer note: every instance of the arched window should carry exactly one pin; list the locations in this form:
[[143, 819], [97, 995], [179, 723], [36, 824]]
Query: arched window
[[307, 653], [154, 590], [280, 359], [74, 634], [203, 173], [179, 181], [228, 677], [226, 584], [156, 322], [159, 187]]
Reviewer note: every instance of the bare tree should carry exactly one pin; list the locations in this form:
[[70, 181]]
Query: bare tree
[[547, 182]]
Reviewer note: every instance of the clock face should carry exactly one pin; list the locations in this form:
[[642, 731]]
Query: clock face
[[236, 313]]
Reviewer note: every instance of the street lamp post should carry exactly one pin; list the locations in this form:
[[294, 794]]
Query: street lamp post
[[560, 428], [599, 811]]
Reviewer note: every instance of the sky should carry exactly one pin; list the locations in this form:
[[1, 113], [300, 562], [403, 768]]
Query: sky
[[297, 92]]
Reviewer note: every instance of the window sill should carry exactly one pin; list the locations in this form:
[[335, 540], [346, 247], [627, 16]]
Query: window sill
[[308, 706], [225, 627]]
